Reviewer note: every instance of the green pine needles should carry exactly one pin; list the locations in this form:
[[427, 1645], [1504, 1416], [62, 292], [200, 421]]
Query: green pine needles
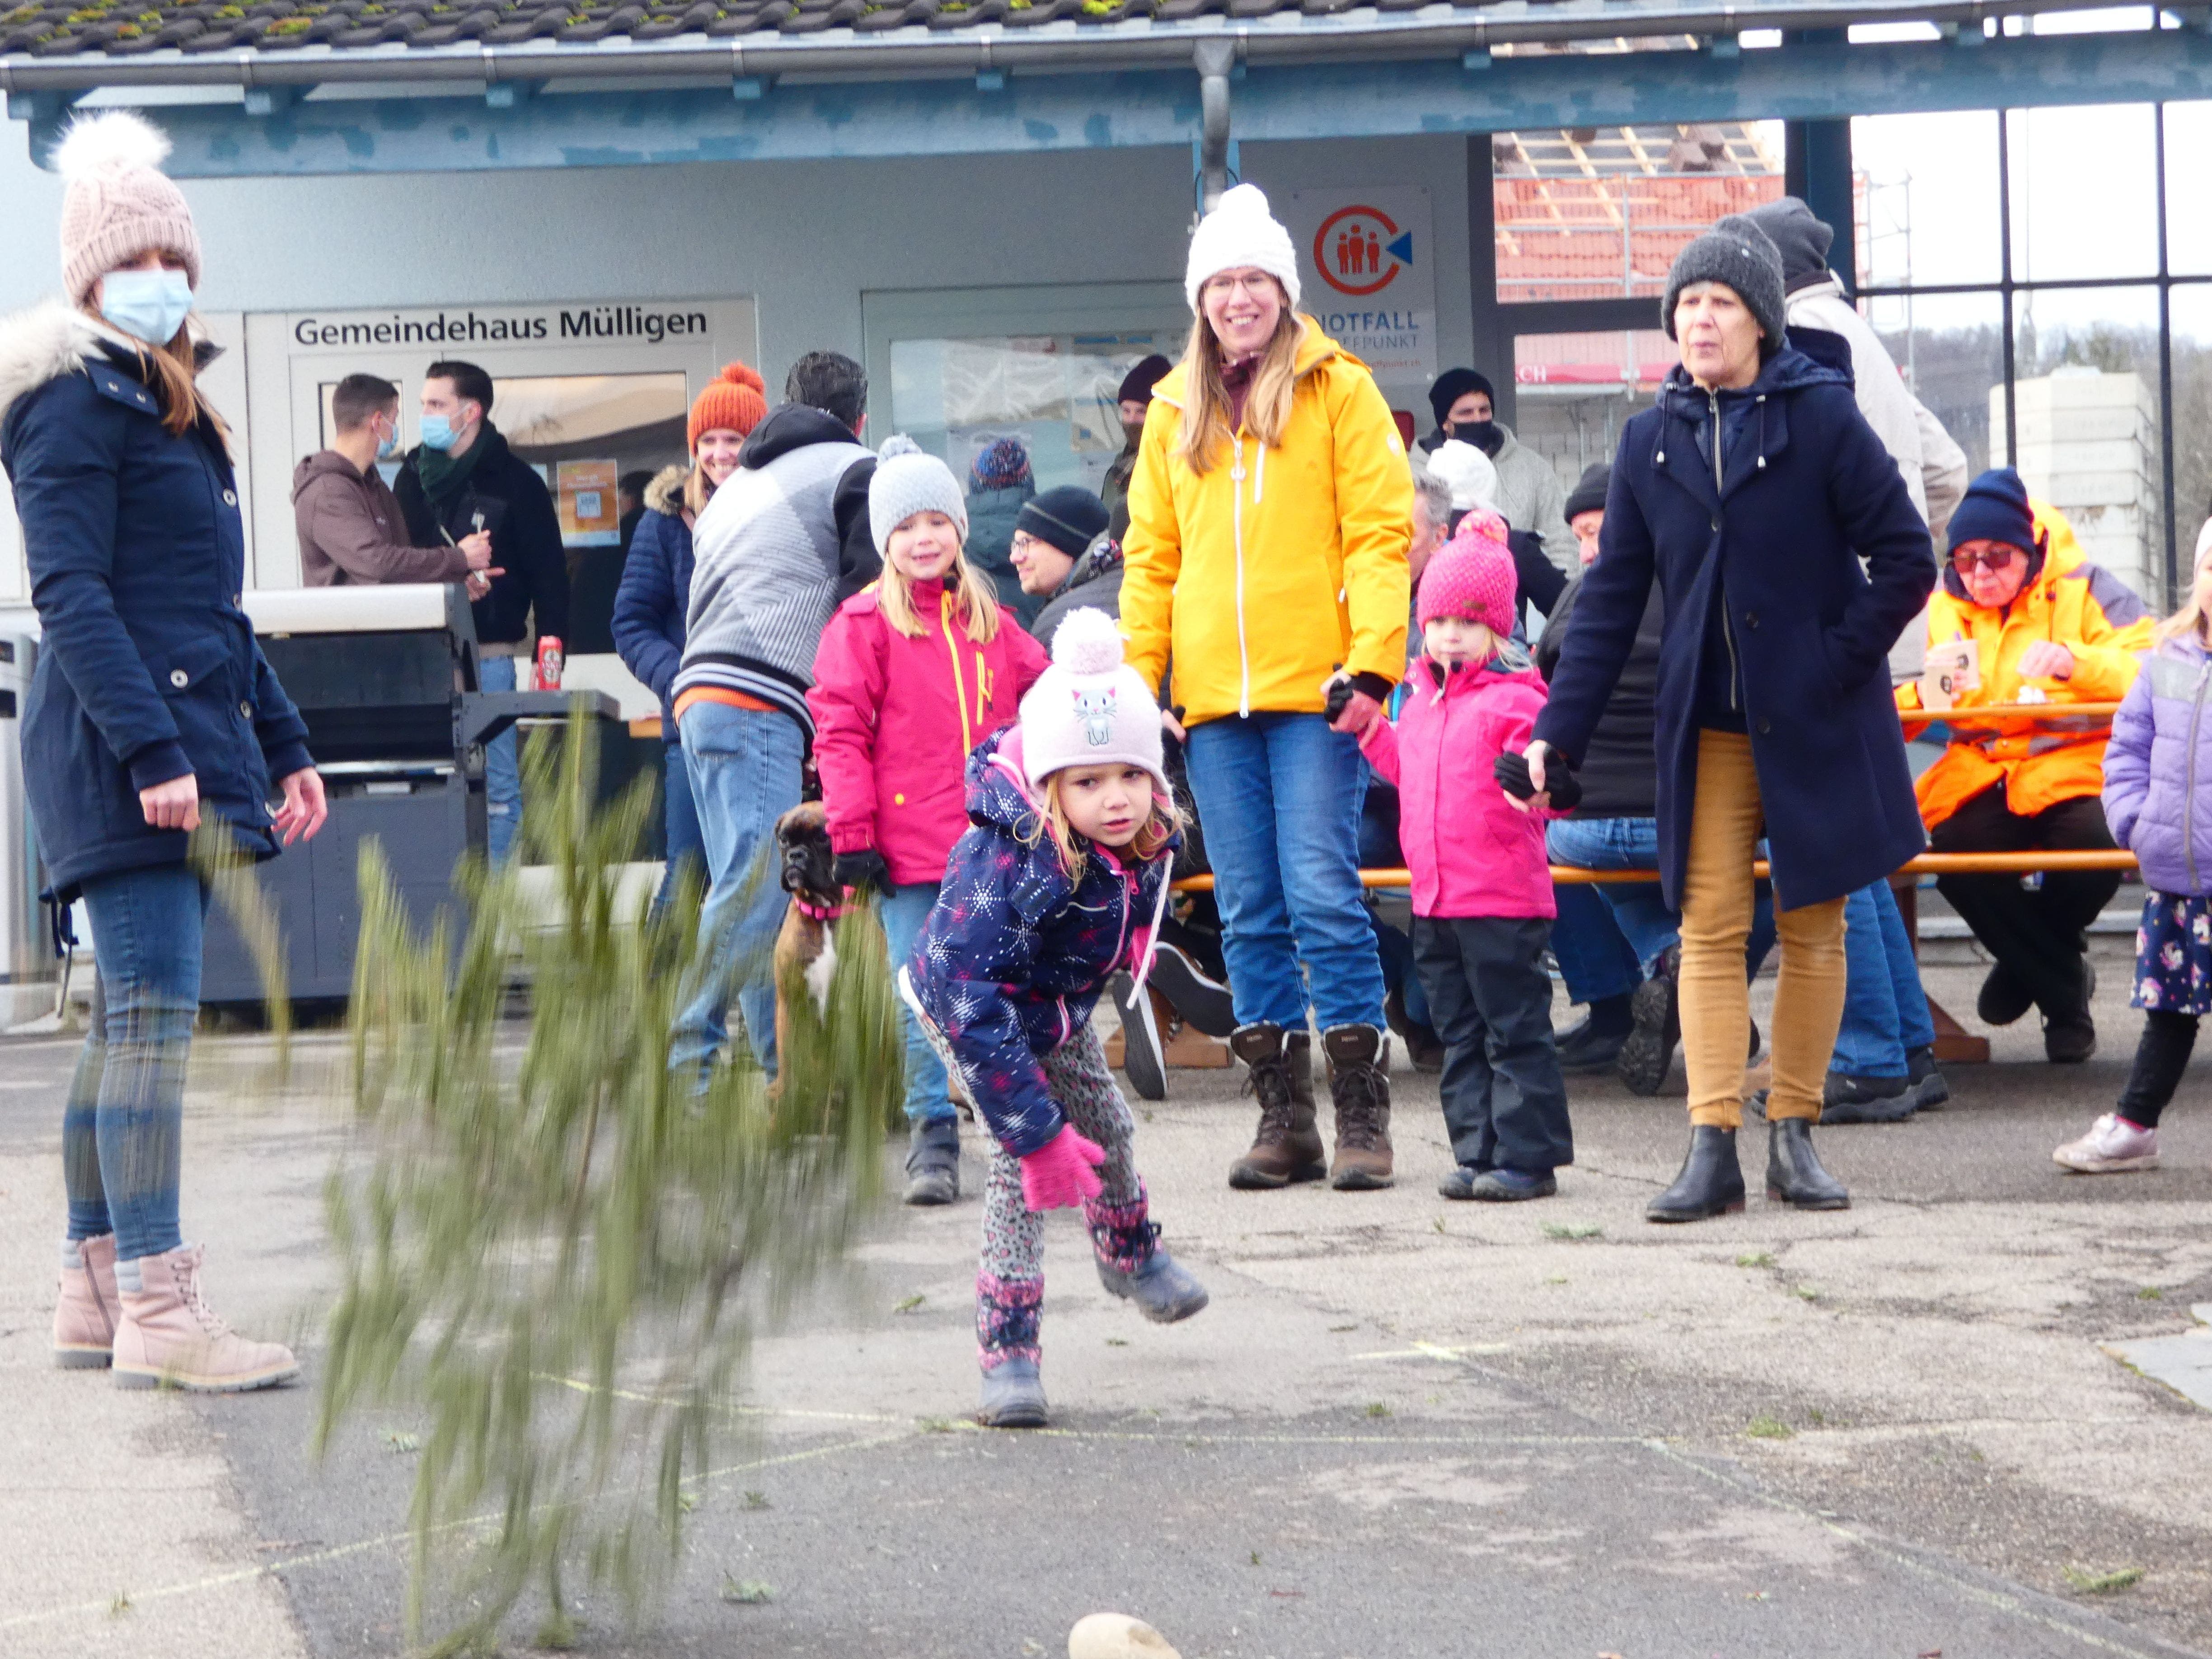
[[554, 1249]]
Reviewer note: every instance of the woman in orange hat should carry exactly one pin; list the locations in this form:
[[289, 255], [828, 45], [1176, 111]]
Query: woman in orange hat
[[656, 581]]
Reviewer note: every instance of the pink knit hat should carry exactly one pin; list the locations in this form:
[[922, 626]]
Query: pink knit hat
[[1472, 576], [119, 203]]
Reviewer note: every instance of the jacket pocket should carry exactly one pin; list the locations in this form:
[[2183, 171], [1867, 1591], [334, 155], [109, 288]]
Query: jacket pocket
[[198, 681]]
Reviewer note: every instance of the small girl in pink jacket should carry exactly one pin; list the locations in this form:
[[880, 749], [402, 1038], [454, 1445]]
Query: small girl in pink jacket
[[1482, 885], [912, 673]]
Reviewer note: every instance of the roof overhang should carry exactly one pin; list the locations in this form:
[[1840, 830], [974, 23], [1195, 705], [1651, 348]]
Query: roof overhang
[[1069, 87]]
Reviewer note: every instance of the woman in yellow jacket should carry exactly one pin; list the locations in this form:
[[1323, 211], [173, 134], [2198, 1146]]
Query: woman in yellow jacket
[[1269, 516], [2043, 624]]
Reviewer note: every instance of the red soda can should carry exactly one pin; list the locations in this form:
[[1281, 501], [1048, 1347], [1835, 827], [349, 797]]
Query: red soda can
[[551, 660]]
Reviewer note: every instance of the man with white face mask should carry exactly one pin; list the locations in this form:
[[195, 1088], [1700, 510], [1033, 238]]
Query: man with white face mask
[[351, 529]]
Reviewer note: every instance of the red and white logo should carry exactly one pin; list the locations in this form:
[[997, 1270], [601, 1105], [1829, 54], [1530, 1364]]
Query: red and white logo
[[1360, 251]]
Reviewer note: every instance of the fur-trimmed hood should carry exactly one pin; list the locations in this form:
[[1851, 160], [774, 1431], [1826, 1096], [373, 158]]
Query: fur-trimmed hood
[[48, 340], [665, 493]]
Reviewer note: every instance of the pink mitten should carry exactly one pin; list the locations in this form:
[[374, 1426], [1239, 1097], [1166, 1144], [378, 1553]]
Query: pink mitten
[[1059, 1174]]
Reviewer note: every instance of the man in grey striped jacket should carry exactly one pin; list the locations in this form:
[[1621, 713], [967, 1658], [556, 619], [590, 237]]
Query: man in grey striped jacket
[[783, 543]]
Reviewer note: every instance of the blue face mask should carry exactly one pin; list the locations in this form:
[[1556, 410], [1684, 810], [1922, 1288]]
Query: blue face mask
[[147, 305], [388, 445], [438, 433]]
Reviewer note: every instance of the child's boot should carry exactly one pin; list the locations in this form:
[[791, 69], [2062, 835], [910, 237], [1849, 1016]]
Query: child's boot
[[1360, 1090], [932, 1161], [1007, 1312], [1288, 1146], [84, 1313], [1133, 1266]]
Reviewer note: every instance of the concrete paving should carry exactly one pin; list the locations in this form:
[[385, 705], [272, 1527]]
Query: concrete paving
[[1404, 1427]]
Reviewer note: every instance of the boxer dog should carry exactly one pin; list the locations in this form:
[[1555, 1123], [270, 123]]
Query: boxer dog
[[805, 950]]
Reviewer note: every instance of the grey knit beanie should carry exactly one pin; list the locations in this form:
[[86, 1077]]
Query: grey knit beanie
[[1738, 253], [908, 480]]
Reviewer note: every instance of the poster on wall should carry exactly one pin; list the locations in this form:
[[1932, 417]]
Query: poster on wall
[[585, 492], [1370, 278]]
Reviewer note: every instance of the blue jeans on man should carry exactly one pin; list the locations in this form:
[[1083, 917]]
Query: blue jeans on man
[[928, 1091], [745, 767], [1884, 1010], [502, 768], [1639, 909], [123, 1124], [679, 817], [1279, 795]]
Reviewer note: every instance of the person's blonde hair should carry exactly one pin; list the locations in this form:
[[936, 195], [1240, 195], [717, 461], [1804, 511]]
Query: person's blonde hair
[[1051, 819], [973, 600], [1207, 431], [173, 373], [698, 489], [2191, 617]]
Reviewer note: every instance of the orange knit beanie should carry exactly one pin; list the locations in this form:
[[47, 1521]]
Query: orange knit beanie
[[734, 401]]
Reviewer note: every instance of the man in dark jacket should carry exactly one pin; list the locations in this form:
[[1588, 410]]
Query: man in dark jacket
[[1066, 558], [351, 529], [1134, 400], [463, 479], [784, 541]]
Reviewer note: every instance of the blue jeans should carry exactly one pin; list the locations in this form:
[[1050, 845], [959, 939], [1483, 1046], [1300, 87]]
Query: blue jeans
[[745, 775], [1400, 973], [123, 1125], [1594, 956], [1639, 909], [1279, 796], [928, 1095], [502, 767], [1884, 1010], [679, 815]]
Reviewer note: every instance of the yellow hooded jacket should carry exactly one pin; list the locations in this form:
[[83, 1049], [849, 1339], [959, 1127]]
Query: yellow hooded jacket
[[2072, 601], [1274, 568]]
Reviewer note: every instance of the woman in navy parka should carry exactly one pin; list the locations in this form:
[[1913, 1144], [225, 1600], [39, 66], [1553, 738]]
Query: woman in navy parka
[[151, 710]]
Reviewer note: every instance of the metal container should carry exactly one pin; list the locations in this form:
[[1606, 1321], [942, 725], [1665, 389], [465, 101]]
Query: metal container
[[28, 967]]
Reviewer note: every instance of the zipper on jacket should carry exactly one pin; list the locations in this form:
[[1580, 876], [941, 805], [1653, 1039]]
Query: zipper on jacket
[[2189, 791], [1236, 528], [1728, 628], [959, 685]]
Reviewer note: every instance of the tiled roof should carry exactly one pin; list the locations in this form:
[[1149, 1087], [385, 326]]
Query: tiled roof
[[128, 28]]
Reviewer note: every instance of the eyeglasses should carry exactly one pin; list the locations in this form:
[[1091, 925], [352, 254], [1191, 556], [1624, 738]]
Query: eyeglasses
[[1966, 559], [1261, 283]]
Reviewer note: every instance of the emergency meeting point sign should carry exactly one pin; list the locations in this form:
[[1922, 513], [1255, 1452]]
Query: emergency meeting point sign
[[1375, 291]]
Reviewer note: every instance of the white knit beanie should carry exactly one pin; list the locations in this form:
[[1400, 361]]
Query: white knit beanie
[[119, 203], [1089, 708], [908, 480], [1471, 475], [1238, 233]]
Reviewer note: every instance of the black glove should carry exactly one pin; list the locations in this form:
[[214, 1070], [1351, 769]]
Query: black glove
[[863, 870], [1511, 771], [1340, 691]]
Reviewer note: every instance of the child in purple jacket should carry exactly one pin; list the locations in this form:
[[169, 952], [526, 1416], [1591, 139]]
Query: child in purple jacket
[[1482, 884], [2158, 773], [1062, 880]]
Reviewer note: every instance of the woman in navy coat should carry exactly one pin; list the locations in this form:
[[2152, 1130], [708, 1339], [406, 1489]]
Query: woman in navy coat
[[151, 711], [1750, 494]]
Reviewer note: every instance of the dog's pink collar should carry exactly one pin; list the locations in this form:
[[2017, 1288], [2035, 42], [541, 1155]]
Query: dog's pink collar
[[819, 912]]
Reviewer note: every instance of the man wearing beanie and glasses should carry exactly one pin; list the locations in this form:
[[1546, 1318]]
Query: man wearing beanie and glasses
[[1066, 557]]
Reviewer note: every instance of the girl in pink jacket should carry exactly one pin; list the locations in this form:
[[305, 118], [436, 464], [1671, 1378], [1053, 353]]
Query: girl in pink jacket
[[912, 673], [1482, 885]]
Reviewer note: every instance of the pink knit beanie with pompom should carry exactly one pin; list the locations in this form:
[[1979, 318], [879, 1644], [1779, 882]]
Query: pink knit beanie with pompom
[[1472, 576], [119, 203]]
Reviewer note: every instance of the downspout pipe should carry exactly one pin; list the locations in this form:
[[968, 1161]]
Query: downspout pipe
[[1215, 58]]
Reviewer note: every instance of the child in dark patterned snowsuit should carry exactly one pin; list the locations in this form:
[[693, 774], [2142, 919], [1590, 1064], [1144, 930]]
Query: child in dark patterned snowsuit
[[1062, 881]]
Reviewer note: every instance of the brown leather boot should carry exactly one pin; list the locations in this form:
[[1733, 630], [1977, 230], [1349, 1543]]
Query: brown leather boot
[[1288, 1146], [1360, 1089]]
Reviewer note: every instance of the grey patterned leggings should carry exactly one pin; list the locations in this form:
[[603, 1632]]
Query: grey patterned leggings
[[1077, 1074]]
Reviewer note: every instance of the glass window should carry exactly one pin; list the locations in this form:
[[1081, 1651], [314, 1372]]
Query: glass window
[[1950, 349], [2188, 227], [2084, 192], [2192, 412], [1593, 213], [1053, 393], [2087, 394], [1574, 391], [1928, 202]]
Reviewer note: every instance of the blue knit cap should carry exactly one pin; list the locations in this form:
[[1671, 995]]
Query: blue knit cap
[[1995, 509]]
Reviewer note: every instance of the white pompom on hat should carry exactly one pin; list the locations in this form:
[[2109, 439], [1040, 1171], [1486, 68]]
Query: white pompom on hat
[[1470, 475], [1240, 233], [119, 203], [1089, 708]]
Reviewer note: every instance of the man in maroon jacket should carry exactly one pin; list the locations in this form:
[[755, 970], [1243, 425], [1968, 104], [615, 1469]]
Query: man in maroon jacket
[[351, 529]]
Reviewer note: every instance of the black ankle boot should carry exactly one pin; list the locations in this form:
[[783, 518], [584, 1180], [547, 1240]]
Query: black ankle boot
[[1794, 1175], [1710, 1183]]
